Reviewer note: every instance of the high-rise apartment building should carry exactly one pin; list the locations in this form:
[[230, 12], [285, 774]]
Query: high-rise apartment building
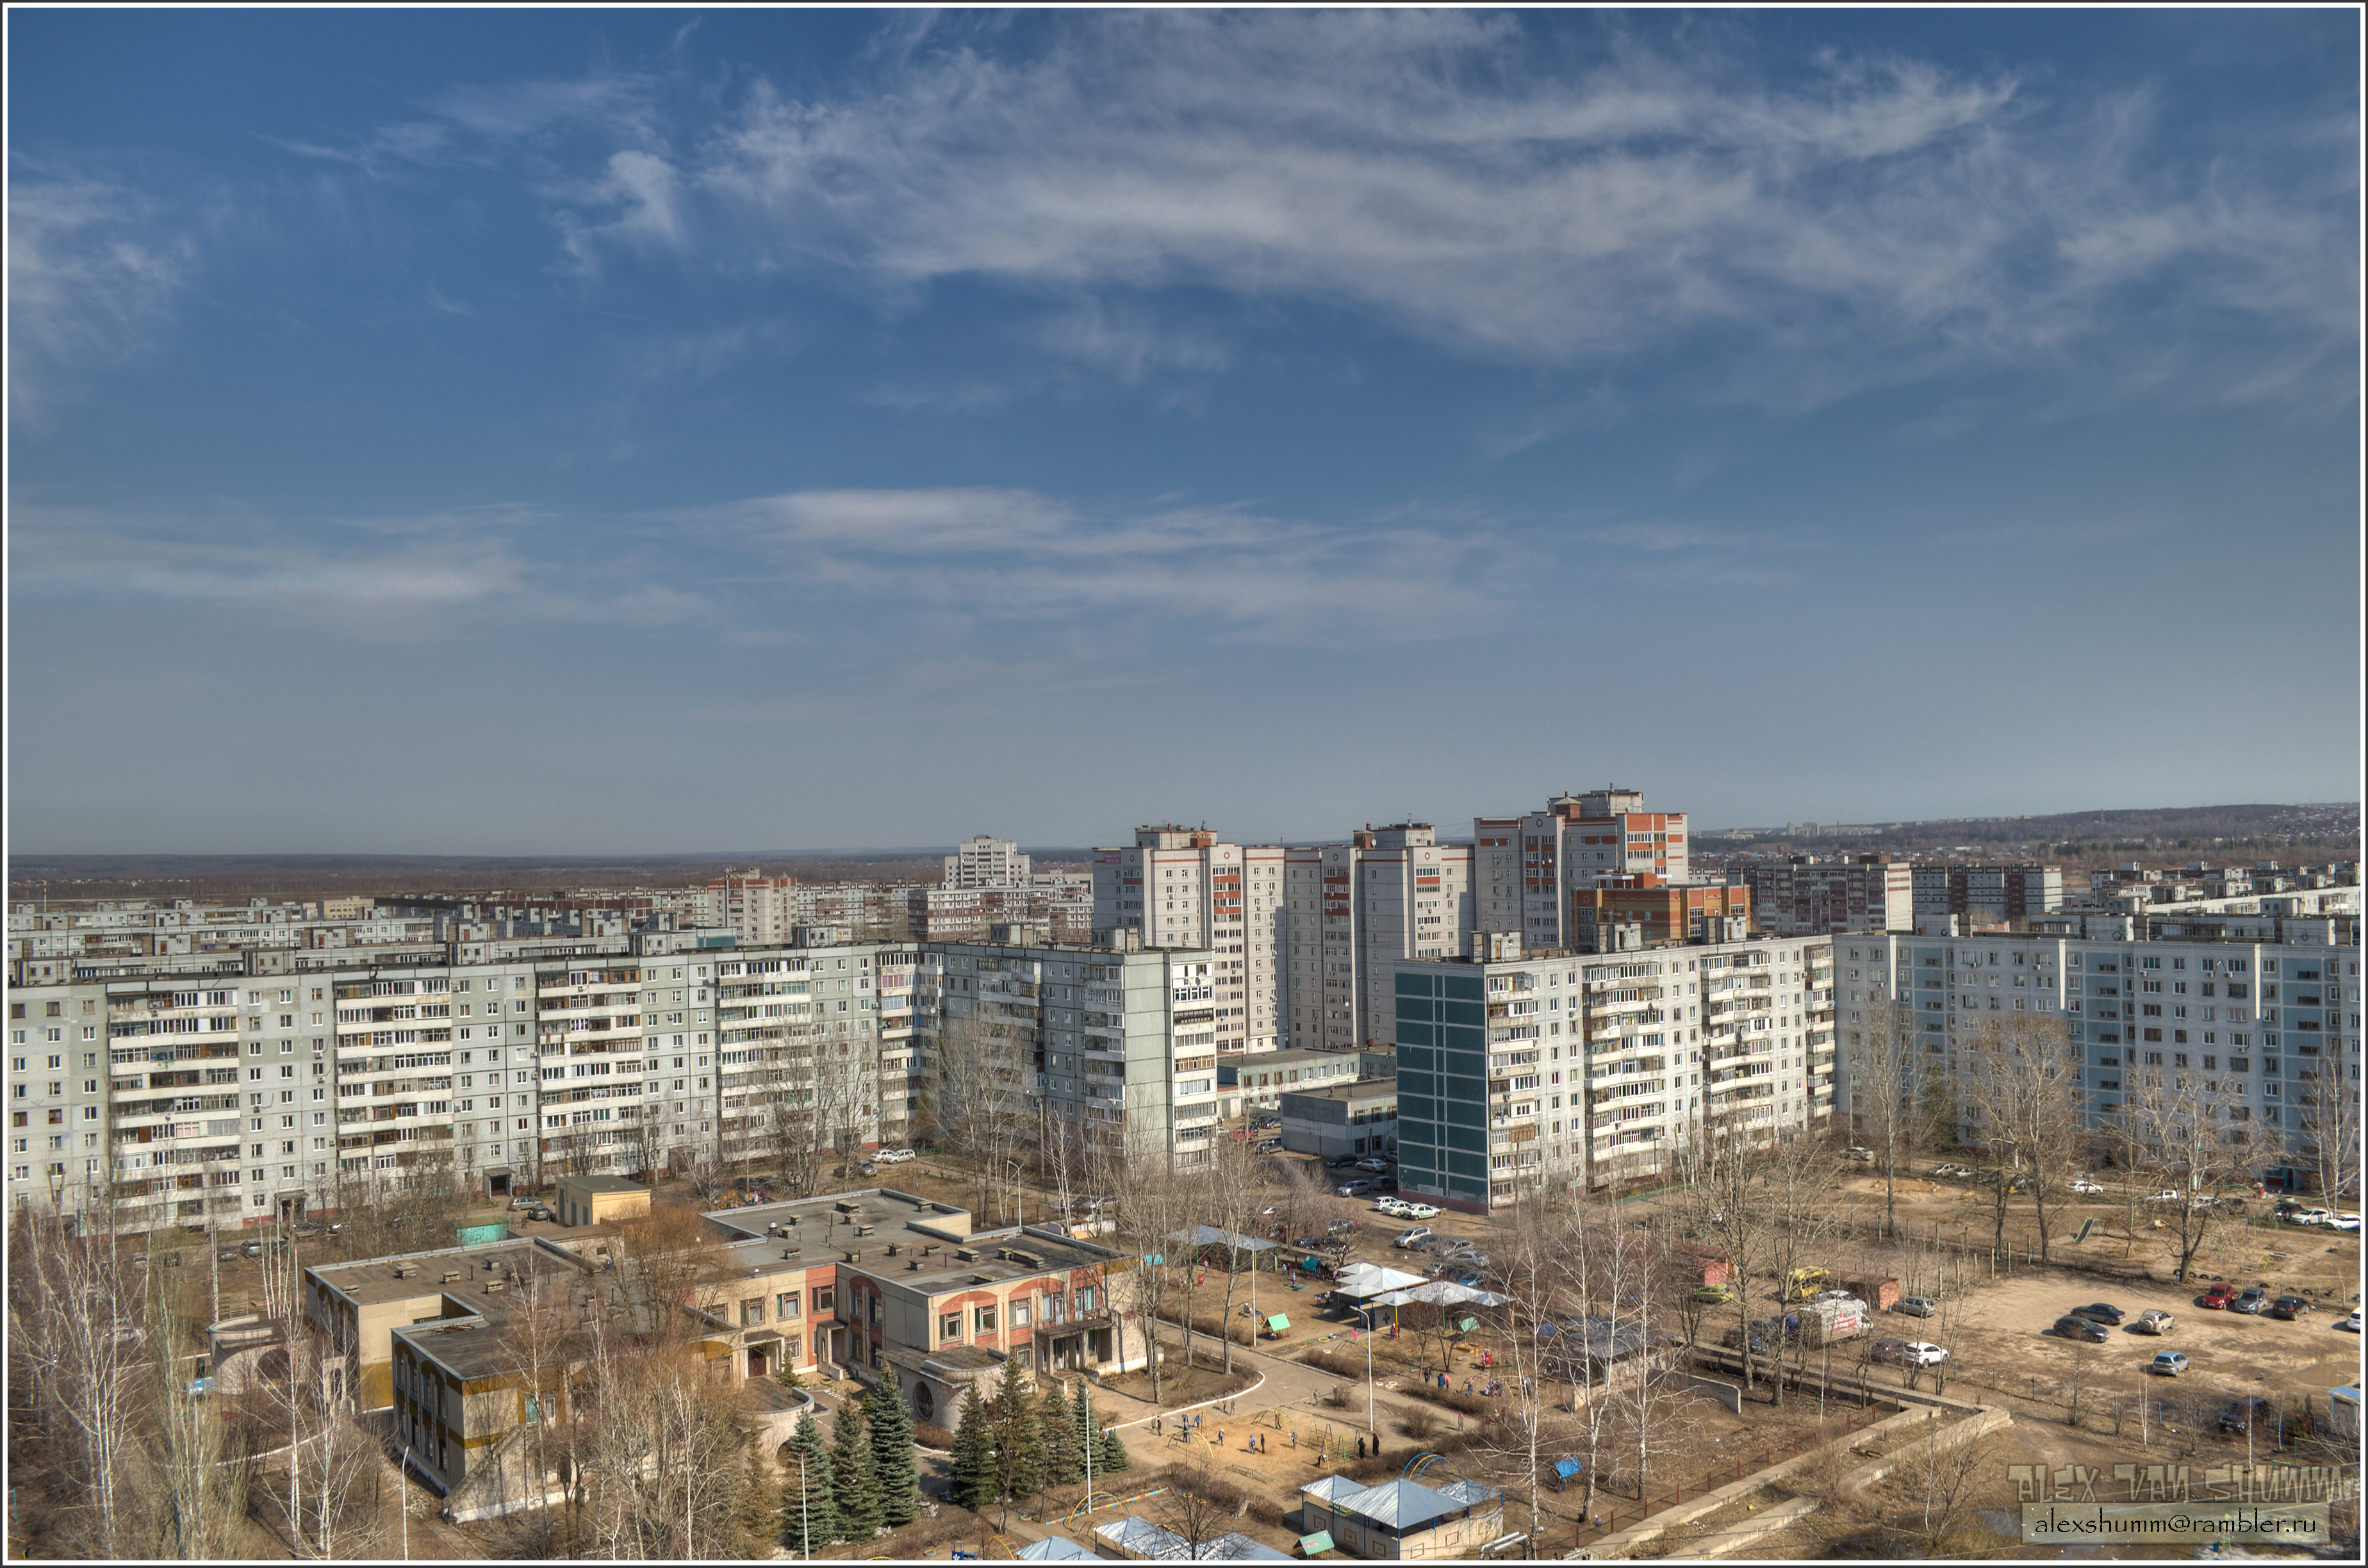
[[1184, 888], [1517, 1073], [1808, 894], [986, 862], [1525, 867], [756, 908], [1987, 895], [2260, 1011]]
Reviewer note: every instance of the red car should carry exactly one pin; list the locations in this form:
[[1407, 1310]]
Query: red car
[[2219, 1296]]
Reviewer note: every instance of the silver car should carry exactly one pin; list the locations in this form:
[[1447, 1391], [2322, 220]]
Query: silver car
[[1917, 1306]]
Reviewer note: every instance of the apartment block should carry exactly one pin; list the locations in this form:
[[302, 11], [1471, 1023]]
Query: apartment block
[[1521, 1071], [1808, 894], [1184, 888], [1389, 893], [2261, 1010], [986, 862], [1622, 913], [759, 909], [1117, 1045], [1523, 865], [1986, 895]]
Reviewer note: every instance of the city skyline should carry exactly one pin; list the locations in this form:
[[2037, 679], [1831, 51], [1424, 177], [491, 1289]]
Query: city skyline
[[528, 433]]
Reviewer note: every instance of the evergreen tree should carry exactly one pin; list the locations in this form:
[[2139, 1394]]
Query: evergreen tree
[[809, 1511], [1018, 1436], [975, 1473], [855, 1485], [1062, 1461], [892, 1459], [757, 1509], [1111, 1457]]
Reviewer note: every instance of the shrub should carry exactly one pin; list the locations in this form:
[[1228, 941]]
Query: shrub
[[1419, 1425], [930, 1435]]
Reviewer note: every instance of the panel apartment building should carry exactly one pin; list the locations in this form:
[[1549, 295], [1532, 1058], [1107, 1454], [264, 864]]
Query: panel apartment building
[[1808, 894], [1986, 895], [1521, 1072], [2258, 1005], [1525, 865]]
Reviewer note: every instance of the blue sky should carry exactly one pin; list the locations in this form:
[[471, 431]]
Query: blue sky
[[636, 431]]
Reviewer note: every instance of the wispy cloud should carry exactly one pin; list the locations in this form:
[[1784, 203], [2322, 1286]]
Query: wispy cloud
[[92, 276], [1878, 217], [1007, 556]]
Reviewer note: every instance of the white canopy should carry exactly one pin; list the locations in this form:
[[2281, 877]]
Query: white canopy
[[1359, 1280], [1437, 1293]]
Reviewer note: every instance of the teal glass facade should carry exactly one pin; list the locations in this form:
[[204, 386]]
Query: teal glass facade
[[1442, 1038]]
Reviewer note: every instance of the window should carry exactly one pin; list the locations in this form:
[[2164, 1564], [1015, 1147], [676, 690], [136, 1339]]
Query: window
[[822, 1299], [949, 1326], [752, 1312], [1020, 1314], [981, 1320]]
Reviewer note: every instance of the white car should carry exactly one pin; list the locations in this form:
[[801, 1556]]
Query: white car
[[2344, 1222], [1393, 1206], [2166, 1195], [1421, 1212], [1413, 1238], [2085, 1187], [2351, 1322], [1920, 1354], [892, 1156]]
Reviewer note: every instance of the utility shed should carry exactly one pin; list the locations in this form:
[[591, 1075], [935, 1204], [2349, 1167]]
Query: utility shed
[[590, 1200]]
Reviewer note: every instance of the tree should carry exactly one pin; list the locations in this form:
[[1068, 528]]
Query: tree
[[855, 1481], [1154, 1203], [1065, 1462], [758, 1502], [2328, 1117], [979, 1072], [893, 1458], [1112, 1456], [2020, 1081], [2184, 1127], [1884, 1091], [809, 1499], [974, 1468], [1019, 1438], [1228, 1180]]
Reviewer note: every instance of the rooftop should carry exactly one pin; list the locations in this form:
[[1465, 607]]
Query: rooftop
[[601, 1184], [1364, 1089], [933, 1244], [460, 1272]]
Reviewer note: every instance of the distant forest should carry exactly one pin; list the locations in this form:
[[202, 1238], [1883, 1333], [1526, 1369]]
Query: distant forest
[[2078, 840]]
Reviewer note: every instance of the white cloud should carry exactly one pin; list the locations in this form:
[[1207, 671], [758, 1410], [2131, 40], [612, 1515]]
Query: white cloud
[[1877, 220], [1014, 555], [91, 281]]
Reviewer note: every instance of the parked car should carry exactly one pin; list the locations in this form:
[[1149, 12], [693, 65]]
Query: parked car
[[2251, 1302], [1341, 1226], [1472, 1279], [1267, 1145], [1340, 1162], [1893, 1352], [1715, 1294], [2219, 1296], [2309, 1217], [1917, 1306], [2169, 1364], [2165, 1196], [1371, 1163], [1422, 1212], [1863, 1156], [2350, 1322], [2086, 1188], [892, 1156], [1357, 1188], [1386, 1184], [2288, 1308], [2102, 1311], [2244, 1413], [1413, 1238], [2081, 1329], [2344, 1222], [2153, 1321], [1311, 1242], [1922, 1354]]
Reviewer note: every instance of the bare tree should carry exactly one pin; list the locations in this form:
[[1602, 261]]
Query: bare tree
[[78, 1349], [2185, 1129], [2328, 1117], [1228, 1181], [2020, 1081], [1887, 1090], [980, 1069], [1152, 1205]]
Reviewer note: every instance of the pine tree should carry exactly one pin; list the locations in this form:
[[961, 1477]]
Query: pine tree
[[855, 1485], [1058, 1424], [1112, 1456], [1018, 1436], [975, 1473], [757, 1508], [892, 1459], [809, 1511]]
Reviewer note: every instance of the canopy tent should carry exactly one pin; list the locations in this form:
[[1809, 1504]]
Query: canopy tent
[[1055, 1548], [1359, 1280], [1437, 1293]]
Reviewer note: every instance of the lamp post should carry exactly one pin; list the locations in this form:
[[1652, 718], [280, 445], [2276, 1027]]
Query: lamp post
[[1018, 1213]]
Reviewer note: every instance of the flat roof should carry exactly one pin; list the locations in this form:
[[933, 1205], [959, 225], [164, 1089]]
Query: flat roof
[[603, 1184], [928, 1237], [1364, 1089], [374, 1282]]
